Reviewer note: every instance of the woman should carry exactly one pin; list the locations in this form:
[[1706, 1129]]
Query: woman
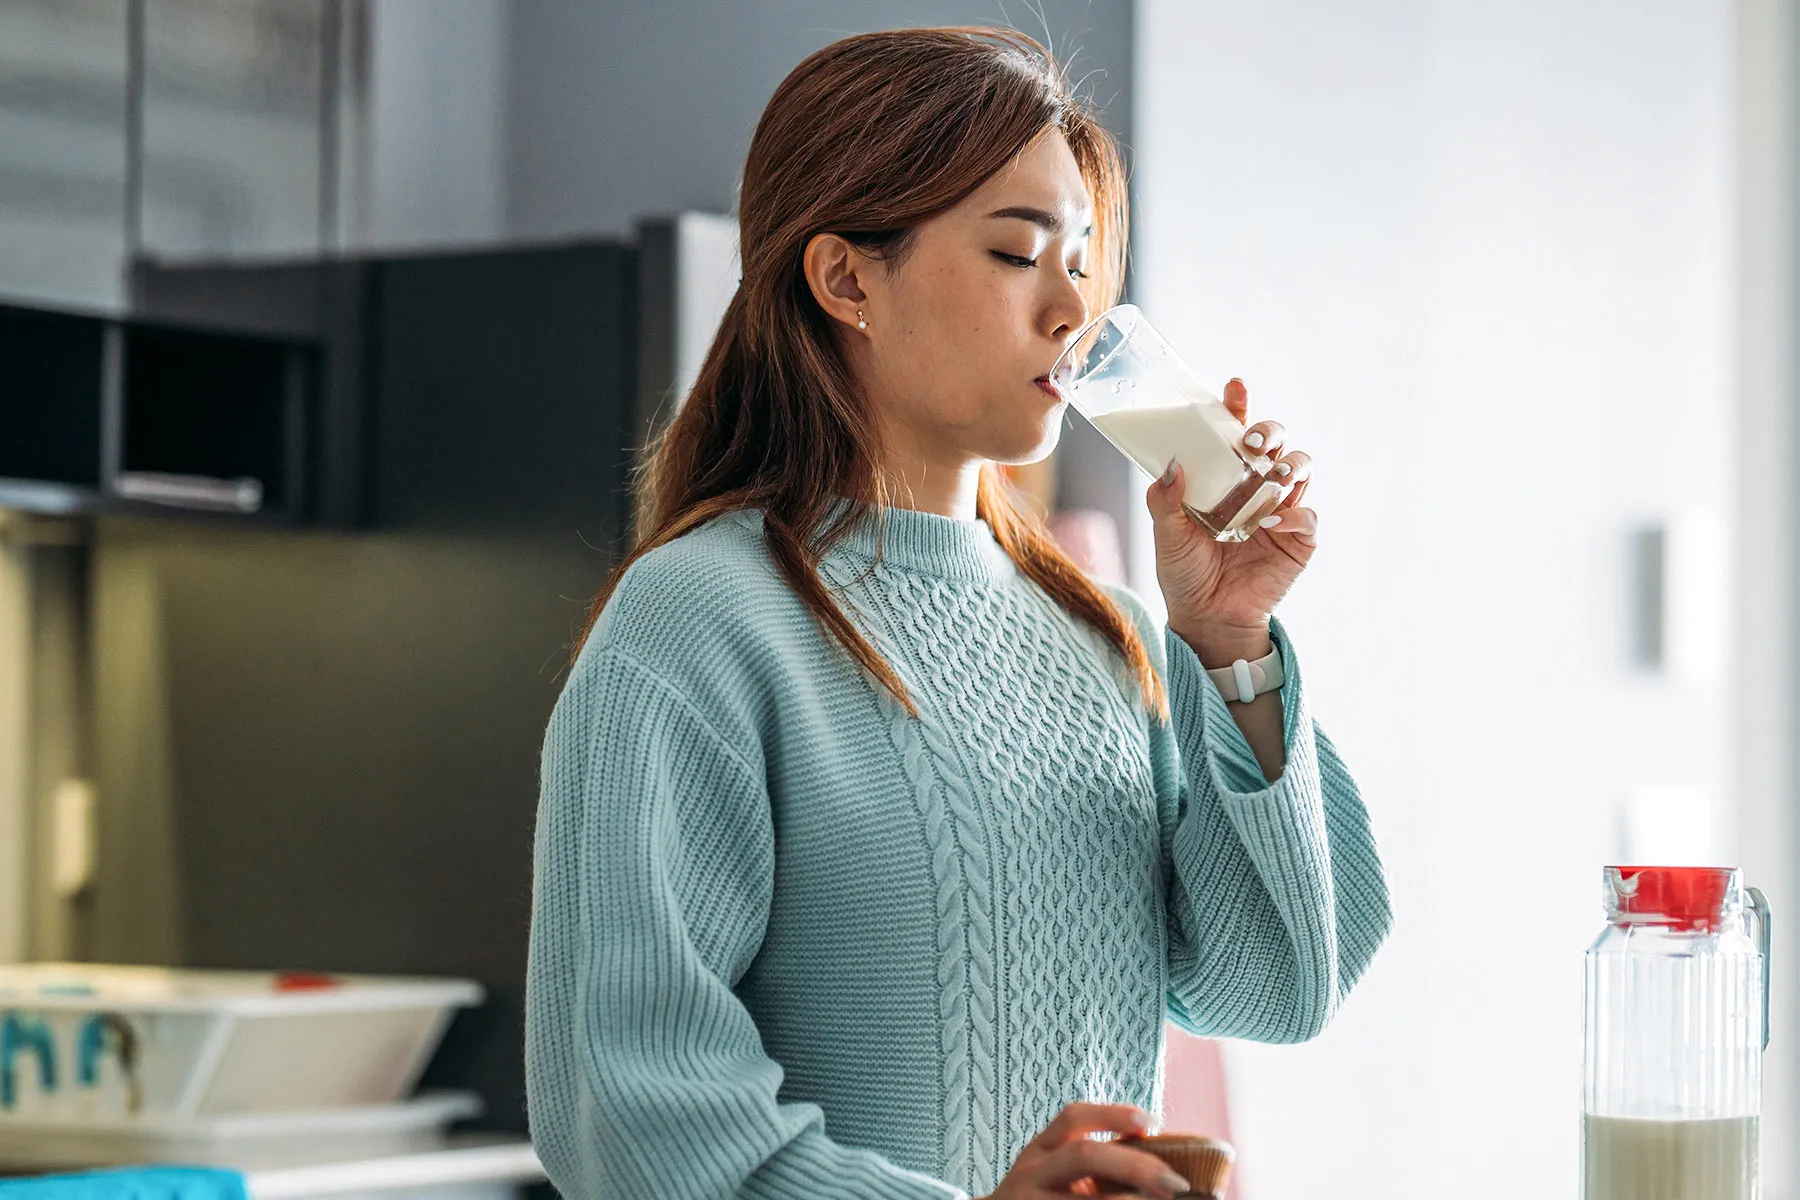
[[876, 841]]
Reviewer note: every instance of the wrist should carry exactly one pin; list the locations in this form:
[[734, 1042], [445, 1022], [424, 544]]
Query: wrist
[[1217, 645]]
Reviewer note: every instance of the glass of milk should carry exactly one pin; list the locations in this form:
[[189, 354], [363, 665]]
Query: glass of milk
[[1125, 379]]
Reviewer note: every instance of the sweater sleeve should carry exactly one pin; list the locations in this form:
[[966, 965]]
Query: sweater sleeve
[[1276, 895], [645, 1073]]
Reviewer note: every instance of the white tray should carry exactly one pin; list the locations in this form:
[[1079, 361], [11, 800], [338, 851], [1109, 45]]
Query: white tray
[[261, 1141]]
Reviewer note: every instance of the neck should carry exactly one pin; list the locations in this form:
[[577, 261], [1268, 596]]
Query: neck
[[928, 479], [945, 492]]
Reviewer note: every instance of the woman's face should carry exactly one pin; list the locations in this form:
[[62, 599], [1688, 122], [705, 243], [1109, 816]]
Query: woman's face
[[961, 332]]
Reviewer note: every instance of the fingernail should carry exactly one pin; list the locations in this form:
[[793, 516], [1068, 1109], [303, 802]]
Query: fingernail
[[1177, 1184], [1143, 1121], [1254, 441], [1270, 521], [1168, 475], [1282, 468]]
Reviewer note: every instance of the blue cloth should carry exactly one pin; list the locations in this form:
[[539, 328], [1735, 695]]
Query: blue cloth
[[790, 941], [135, 1183]]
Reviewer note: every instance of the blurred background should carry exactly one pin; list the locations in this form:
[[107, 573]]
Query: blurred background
[[328, 327]]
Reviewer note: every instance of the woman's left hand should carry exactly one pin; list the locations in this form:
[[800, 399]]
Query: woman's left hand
[[1220, 595]]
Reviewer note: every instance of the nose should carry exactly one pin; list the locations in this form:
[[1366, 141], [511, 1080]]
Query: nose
[[1068, 312]]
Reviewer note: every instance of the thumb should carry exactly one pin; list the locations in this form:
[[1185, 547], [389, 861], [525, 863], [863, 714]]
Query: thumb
[[1164, 501]]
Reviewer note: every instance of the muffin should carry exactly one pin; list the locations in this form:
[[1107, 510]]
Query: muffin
[[1204, 1162]]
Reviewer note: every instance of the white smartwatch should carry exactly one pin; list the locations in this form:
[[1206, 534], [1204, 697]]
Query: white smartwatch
[[1243, 681]]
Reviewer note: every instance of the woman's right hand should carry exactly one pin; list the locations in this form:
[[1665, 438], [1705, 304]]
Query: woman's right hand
[[1055, 1161]]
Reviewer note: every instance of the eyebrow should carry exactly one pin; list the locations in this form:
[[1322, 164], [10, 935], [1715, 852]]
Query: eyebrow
[[1047, 221]]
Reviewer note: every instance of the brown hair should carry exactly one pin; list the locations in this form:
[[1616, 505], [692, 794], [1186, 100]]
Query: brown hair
[[867, 138]]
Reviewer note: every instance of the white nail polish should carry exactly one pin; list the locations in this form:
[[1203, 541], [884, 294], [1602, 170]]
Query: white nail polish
[[1282, 468], [1254, 441], [1270, 521]]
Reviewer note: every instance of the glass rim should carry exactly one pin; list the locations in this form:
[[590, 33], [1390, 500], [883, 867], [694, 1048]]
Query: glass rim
[[1060, 375]]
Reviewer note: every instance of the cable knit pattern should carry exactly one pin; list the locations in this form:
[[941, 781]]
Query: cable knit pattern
[[790, 941], [965, 937], [1076, 823]]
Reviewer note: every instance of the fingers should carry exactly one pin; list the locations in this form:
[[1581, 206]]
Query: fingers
[[1082, 1118], [1115, 1162], [1265, 437], [1295, 468], [1293, 497], [1302, 523], [1237, 400]]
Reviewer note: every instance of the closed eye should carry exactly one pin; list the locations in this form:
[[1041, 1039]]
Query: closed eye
[[1019, 260]]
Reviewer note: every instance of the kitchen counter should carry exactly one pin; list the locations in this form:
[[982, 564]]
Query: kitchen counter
[[468, 1166]]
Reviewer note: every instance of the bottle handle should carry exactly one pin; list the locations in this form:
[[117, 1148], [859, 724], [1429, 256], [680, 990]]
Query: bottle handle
[[1760, 906]]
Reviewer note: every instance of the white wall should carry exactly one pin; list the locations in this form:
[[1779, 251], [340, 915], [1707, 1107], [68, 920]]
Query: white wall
[[1762, 703], [1479, 259]]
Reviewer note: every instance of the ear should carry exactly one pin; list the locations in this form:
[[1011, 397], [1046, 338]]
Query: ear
[[832, 267]]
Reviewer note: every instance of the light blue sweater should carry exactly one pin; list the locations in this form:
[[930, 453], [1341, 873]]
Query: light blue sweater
[[789, 942]]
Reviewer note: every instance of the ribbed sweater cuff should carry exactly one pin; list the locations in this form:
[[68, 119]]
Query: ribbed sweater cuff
[[1202, 715]]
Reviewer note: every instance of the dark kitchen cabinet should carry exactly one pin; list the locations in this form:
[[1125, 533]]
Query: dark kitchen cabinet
[[489, 389], [103, 414], [212, 421], [55, 372]]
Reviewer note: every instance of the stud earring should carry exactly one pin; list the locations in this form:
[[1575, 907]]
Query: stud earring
[[861, 322]]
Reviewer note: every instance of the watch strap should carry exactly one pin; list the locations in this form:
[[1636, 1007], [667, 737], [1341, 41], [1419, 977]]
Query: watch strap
[[1243, 680]]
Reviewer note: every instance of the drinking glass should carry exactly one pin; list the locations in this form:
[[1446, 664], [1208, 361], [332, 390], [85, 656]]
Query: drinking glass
[[1130, 384]]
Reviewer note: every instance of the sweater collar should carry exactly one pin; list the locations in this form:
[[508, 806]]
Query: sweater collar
[[924, 542]]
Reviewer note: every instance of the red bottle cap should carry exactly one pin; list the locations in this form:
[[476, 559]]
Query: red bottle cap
[[303, 981], [1688, 898]]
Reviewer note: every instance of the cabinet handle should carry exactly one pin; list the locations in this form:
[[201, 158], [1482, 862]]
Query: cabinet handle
[[190, 491]]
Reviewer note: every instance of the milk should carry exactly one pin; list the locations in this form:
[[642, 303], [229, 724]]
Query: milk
[[1625, 1158], [1202, 438]]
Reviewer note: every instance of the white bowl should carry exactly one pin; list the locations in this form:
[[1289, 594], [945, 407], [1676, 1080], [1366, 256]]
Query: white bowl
[[85, 1044]]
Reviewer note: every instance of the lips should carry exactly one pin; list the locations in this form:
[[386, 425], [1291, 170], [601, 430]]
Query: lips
[[1043, 381]]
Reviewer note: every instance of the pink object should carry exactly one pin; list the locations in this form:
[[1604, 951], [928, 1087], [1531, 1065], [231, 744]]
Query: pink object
[[1194, 1094], [1091, 538]]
